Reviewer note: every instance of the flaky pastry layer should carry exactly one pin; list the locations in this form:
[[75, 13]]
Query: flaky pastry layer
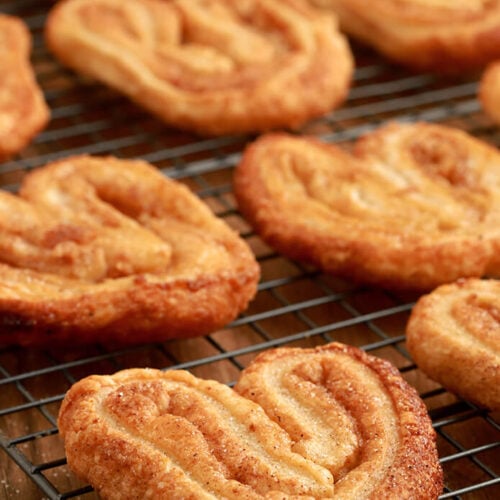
[[99, 249], [438, 35], [454, 337], [23, 111], [217, 67], [329, 422], [413, 206]]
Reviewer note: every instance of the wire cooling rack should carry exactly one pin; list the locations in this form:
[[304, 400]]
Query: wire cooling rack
[[295, 305]]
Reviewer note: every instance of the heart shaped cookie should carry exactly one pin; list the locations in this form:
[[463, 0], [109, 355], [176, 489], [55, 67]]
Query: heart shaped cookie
[[23, 112], [97, 248], [489, 93], [442, 36], [301, 423], [218, 67], [454, 337], [414, 205]]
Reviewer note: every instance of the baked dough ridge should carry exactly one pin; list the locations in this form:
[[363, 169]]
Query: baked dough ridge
[[213, 68], [170, 435], [23, 111], [413, 206], [103, 249], [453, 334]]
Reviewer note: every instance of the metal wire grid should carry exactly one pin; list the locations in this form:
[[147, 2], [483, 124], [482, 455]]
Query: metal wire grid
[[295, 304]]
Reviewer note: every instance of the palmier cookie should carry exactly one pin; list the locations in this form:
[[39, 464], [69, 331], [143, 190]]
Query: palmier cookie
[[414, 206], [218, 67], [454, 337], [303, 423], [23, 111], [97, 248], [489, 91], [443, 36]]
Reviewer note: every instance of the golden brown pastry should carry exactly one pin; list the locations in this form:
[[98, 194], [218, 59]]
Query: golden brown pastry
[[97, 248], [353, 414], [414, 205], [439, 35], [330, 422], [216, 67], [23, 112], [489, 91], [454, 337]]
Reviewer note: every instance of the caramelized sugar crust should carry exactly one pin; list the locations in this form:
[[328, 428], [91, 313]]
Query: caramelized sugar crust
[[214, 67], [97, 248], [303, 423], [413, 206], [23, 112], [438, 35], [454, 337]]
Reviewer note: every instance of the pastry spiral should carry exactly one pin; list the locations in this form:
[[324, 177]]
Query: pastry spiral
[[414, 205], [454, 337], [216, 67], [330, 422], [97, 248], [438, 35], [23, 112]]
